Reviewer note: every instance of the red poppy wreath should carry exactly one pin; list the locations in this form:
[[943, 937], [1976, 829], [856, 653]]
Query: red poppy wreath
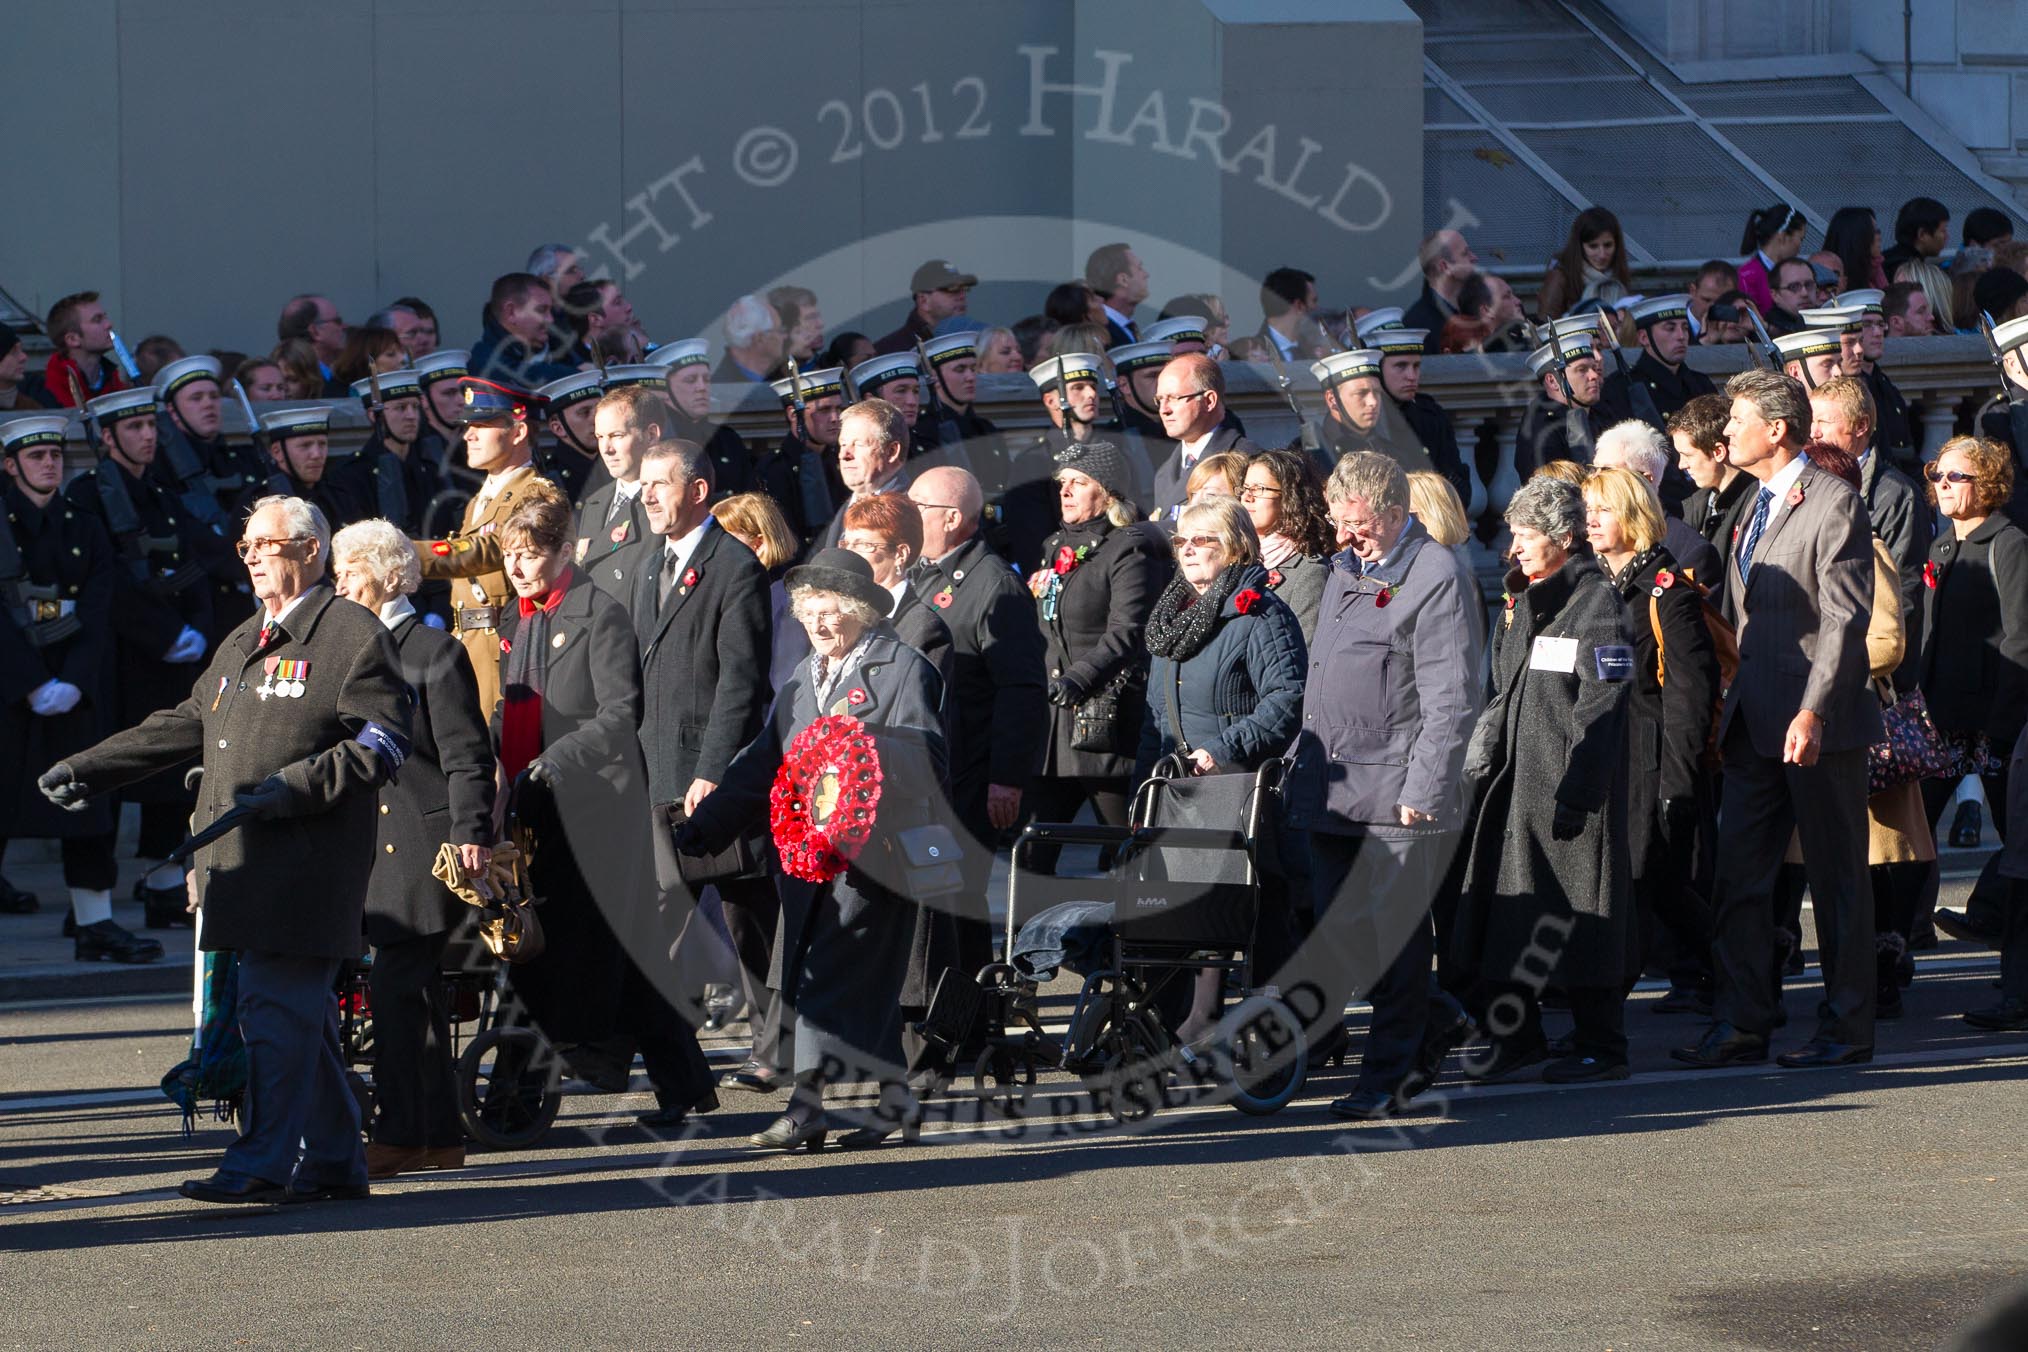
[[825, 794]]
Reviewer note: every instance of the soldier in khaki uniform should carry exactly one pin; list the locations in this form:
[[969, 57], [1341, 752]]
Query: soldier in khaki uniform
[[499, 423]]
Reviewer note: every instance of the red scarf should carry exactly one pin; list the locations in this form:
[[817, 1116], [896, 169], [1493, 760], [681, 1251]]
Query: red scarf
[[521, 680]]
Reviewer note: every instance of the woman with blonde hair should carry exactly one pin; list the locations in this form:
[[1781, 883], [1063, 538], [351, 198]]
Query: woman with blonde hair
[[1670, 709], [756, 521], [1936, 288], [1432, 501], [999, 352], [1219, 475]]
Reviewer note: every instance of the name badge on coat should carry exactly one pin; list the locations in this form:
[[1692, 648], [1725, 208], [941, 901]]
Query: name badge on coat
[[1615, 661], [1554, 654]]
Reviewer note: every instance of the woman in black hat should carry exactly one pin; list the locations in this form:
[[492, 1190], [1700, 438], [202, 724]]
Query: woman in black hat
[[849, 909], [1100, 576]]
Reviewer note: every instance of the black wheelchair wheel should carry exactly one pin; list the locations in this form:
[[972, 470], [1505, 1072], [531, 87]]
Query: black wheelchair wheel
[[1002, 1077], [1132, 1066], [1261, 1055], [507, 1096]]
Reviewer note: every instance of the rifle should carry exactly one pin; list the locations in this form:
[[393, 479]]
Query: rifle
[[1763, 351], [253, 424], [796, 403], [127, 362], [1999, 358], [1639, 401], [1556, 362], [1308, 438]]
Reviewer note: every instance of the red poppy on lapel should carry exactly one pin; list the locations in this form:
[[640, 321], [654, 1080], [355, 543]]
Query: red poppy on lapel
[[1929, 573], [1665, 578], [1795, 498], [1243, 600], [506, 645], [1274, 577], [855, 696], [690, 577], [1385, 595], [619, 532], [942, 600]]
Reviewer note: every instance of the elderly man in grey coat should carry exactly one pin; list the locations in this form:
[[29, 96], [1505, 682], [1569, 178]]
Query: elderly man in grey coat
[[1390, 701]]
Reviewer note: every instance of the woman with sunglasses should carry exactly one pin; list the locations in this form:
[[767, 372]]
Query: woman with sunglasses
[[1974, 666]]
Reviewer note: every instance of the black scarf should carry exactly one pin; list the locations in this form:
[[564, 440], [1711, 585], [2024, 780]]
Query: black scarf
[[1182, 621], [1640, 563]]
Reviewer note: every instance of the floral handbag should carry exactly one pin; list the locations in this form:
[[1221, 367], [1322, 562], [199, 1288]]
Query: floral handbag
[[1911, 748]]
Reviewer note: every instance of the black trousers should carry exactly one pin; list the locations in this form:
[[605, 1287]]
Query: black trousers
[[1989, 892], [2014, 940], [1766, 802], [1374, 932], [88, 861], [1674, 917], [163, 827], [415, 1091], [1057, 798], [1511, 1014], [752, 912], [669, 1052]]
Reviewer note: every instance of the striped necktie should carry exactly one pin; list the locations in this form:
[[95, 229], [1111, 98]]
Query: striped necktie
[[1761, 503]]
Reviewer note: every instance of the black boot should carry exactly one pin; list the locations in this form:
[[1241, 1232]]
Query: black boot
[[106, 941], [166, 907], [14, 901], [1888, 949]]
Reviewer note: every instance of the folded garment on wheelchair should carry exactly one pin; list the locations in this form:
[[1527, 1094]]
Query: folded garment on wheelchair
[[1073, 934]]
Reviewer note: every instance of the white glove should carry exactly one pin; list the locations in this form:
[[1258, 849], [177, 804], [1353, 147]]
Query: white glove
[[54, 697], [434, 621], [188, 647]]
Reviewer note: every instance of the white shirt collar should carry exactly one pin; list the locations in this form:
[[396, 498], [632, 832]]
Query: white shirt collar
[[395, 611], [288, 609], [624, 491], [897, 591], [684, 547], [1783, 481], [1286, 345], [1193, 451], [1124, 321]]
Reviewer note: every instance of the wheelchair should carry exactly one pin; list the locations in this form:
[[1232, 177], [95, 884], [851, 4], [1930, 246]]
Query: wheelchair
[[507, 1094], [1185, 895]]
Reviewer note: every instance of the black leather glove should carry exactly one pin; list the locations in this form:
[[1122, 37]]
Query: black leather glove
[[268, 799], [1066, 691], [60, 786], [1568, 823], [543, 773]]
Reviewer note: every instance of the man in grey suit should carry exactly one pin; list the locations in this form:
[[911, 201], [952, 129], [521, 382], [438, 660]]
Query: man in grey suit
[[1794, 731]]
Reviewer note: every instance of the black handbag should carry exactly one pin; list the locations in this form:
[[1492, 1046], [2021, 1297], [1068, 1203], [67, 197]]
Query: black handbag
[[1099, 723], [741, 859]]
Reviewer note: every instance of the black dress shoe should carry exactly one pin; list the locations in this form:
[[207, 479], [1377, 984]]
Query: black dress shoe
[[225, 1187], [1723, 1045], [14, 901], [1576, 1069], [793, 1134], [1371, 1105], [905, 1118], [106, 941], [1437, 1046], [327, 1192], [1823, 1052], [1684, 1000], [164, 907], [1507, 1057], [1966, 826], [755, 1077], [669, 1119], [2009, 1016], [1564, 1044], [1960, 925]]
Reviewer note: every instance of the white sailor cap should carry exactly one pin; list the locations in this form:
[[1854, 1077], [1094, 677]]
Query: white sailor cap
[[1396, 342], [1655, 309], [183, 370], [1808, 343], [44, 429], [1845, 318], [1071, 366], [1133, 356], [1542, 358], [1340, 367], [446, 363], [575, 388], [1583, 326], [123, 404], [619, 377], [683, 352], [813, 384], [393, 385], [2011, 335], [1386, 317], [283, 423], [869, 376], [1868, 298], [951, 347], [1177, 329]]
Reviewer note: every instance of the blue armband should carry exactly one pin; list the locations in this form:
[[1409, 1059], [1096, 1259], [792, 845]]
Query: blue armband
[[391, 749], [1615, 661]]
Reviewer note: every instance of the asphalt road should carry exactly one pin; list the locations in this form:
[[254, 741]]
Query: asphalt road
[[1873, 1207]]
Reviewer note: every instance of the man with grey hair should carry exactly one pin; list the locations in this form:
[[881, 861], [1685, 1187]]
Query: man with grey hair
[[1794, 731], [1639, 447], [753, 343], [1388, 707], [300, 717], [403, 321], [872, 457], [557, 264]]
